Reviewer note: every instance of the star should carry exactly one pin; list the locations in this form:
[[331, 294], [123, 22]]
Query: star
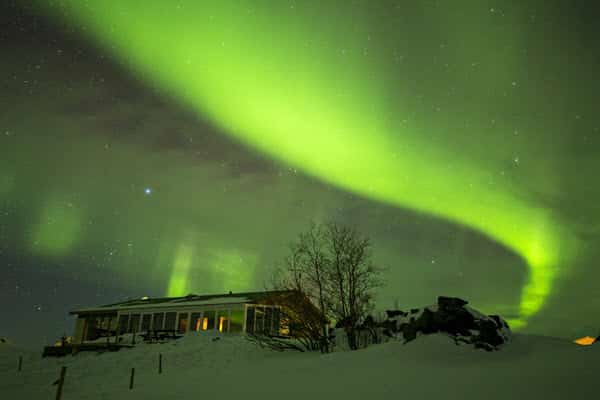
[[147, 191]]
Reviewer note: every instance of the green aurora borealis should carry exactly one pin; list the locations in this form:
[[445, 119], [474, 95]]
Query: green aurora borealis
[[476, 116]]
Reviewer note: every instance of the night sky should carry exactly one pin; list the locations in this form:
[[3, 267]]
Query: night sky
[[172, 147]]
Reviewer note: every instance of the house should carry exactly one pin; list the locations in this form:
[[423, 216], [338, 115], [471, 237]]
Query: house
[[251, 312]]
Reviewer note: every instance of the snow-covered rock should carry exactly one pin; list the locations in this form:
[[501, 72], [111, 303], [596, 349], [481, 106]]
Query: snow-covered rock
[[450, 316]]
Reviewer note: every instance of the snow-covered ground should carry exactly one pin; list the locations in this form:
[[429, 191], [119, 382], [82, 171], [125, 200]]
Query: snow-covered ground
[[430, 367]]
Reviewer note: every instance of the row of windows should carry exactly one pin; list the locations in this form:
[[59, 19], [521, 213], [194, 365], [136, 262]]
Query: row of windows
[[265, 320], [222, 320], [259, 319]]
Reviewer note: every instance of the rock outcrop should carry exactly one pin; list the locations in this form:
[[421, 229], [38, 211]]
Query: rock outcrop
[[451, 316]]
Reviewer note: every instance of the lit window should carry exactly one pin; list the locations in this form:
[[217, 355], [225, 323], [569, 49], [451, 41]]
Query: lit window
[[182, 325], [223, 320], [195, 321]]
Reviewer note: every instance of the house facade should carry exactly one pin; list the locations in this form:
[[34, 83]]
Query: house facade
[[251, 312]]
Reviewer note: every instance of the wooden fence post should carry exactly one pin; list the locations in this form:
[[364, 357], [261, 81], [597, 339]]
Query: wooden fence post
[[160, 363], [131, 378], [20, 363], [61, 381]]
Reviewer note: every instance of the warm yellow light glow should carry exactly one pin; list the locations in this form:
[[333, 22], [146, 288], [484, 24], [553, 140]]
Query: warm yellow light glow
[[64, 341], [284, 327], [221, 320], [204, 323], [198, 325], [183, 325], [585, 341]]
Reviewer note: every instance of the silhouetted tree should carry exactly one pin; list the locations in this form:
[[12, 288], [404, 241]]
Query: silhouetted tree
[[304, 270], [331, 265], [354, 277]]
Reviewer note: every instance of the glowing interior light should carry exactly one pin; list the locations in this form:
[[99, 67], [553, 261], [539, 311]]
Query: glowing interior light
[[585, 341]]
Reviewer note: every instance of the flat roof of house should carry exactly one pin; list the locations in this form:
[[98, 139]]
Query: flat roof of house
[[172, 302]]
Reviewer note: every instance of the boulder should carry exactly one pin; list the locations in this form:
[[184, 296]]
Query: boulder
[[489, 333], [451, 303], [390, 326], [427, 323], [409, 331], [499, 321], [395, 313], [452, 317]]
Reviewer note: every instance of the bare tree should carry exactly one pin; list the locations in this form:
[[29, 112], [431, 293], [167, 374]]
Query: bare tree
[[354, 277], [304, 270], [331, 265]]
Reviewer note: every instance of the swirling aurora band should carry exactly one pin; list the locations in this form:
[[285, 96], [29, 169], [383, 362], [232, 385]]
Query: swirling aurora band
[[272, 84]]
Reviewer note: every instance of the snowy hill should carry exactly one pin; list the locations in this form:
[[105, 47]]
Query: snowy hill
[[5, 343], [431, 367], [9, 356]]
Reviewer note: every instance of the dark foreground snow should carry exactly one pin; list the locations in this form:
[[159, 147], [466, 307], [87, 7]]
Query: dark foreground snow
[[431, 367]]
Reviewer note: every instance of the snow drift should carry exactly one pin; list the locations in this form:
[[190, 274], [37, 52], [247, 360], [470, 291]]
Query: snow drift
[[232, 367]]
